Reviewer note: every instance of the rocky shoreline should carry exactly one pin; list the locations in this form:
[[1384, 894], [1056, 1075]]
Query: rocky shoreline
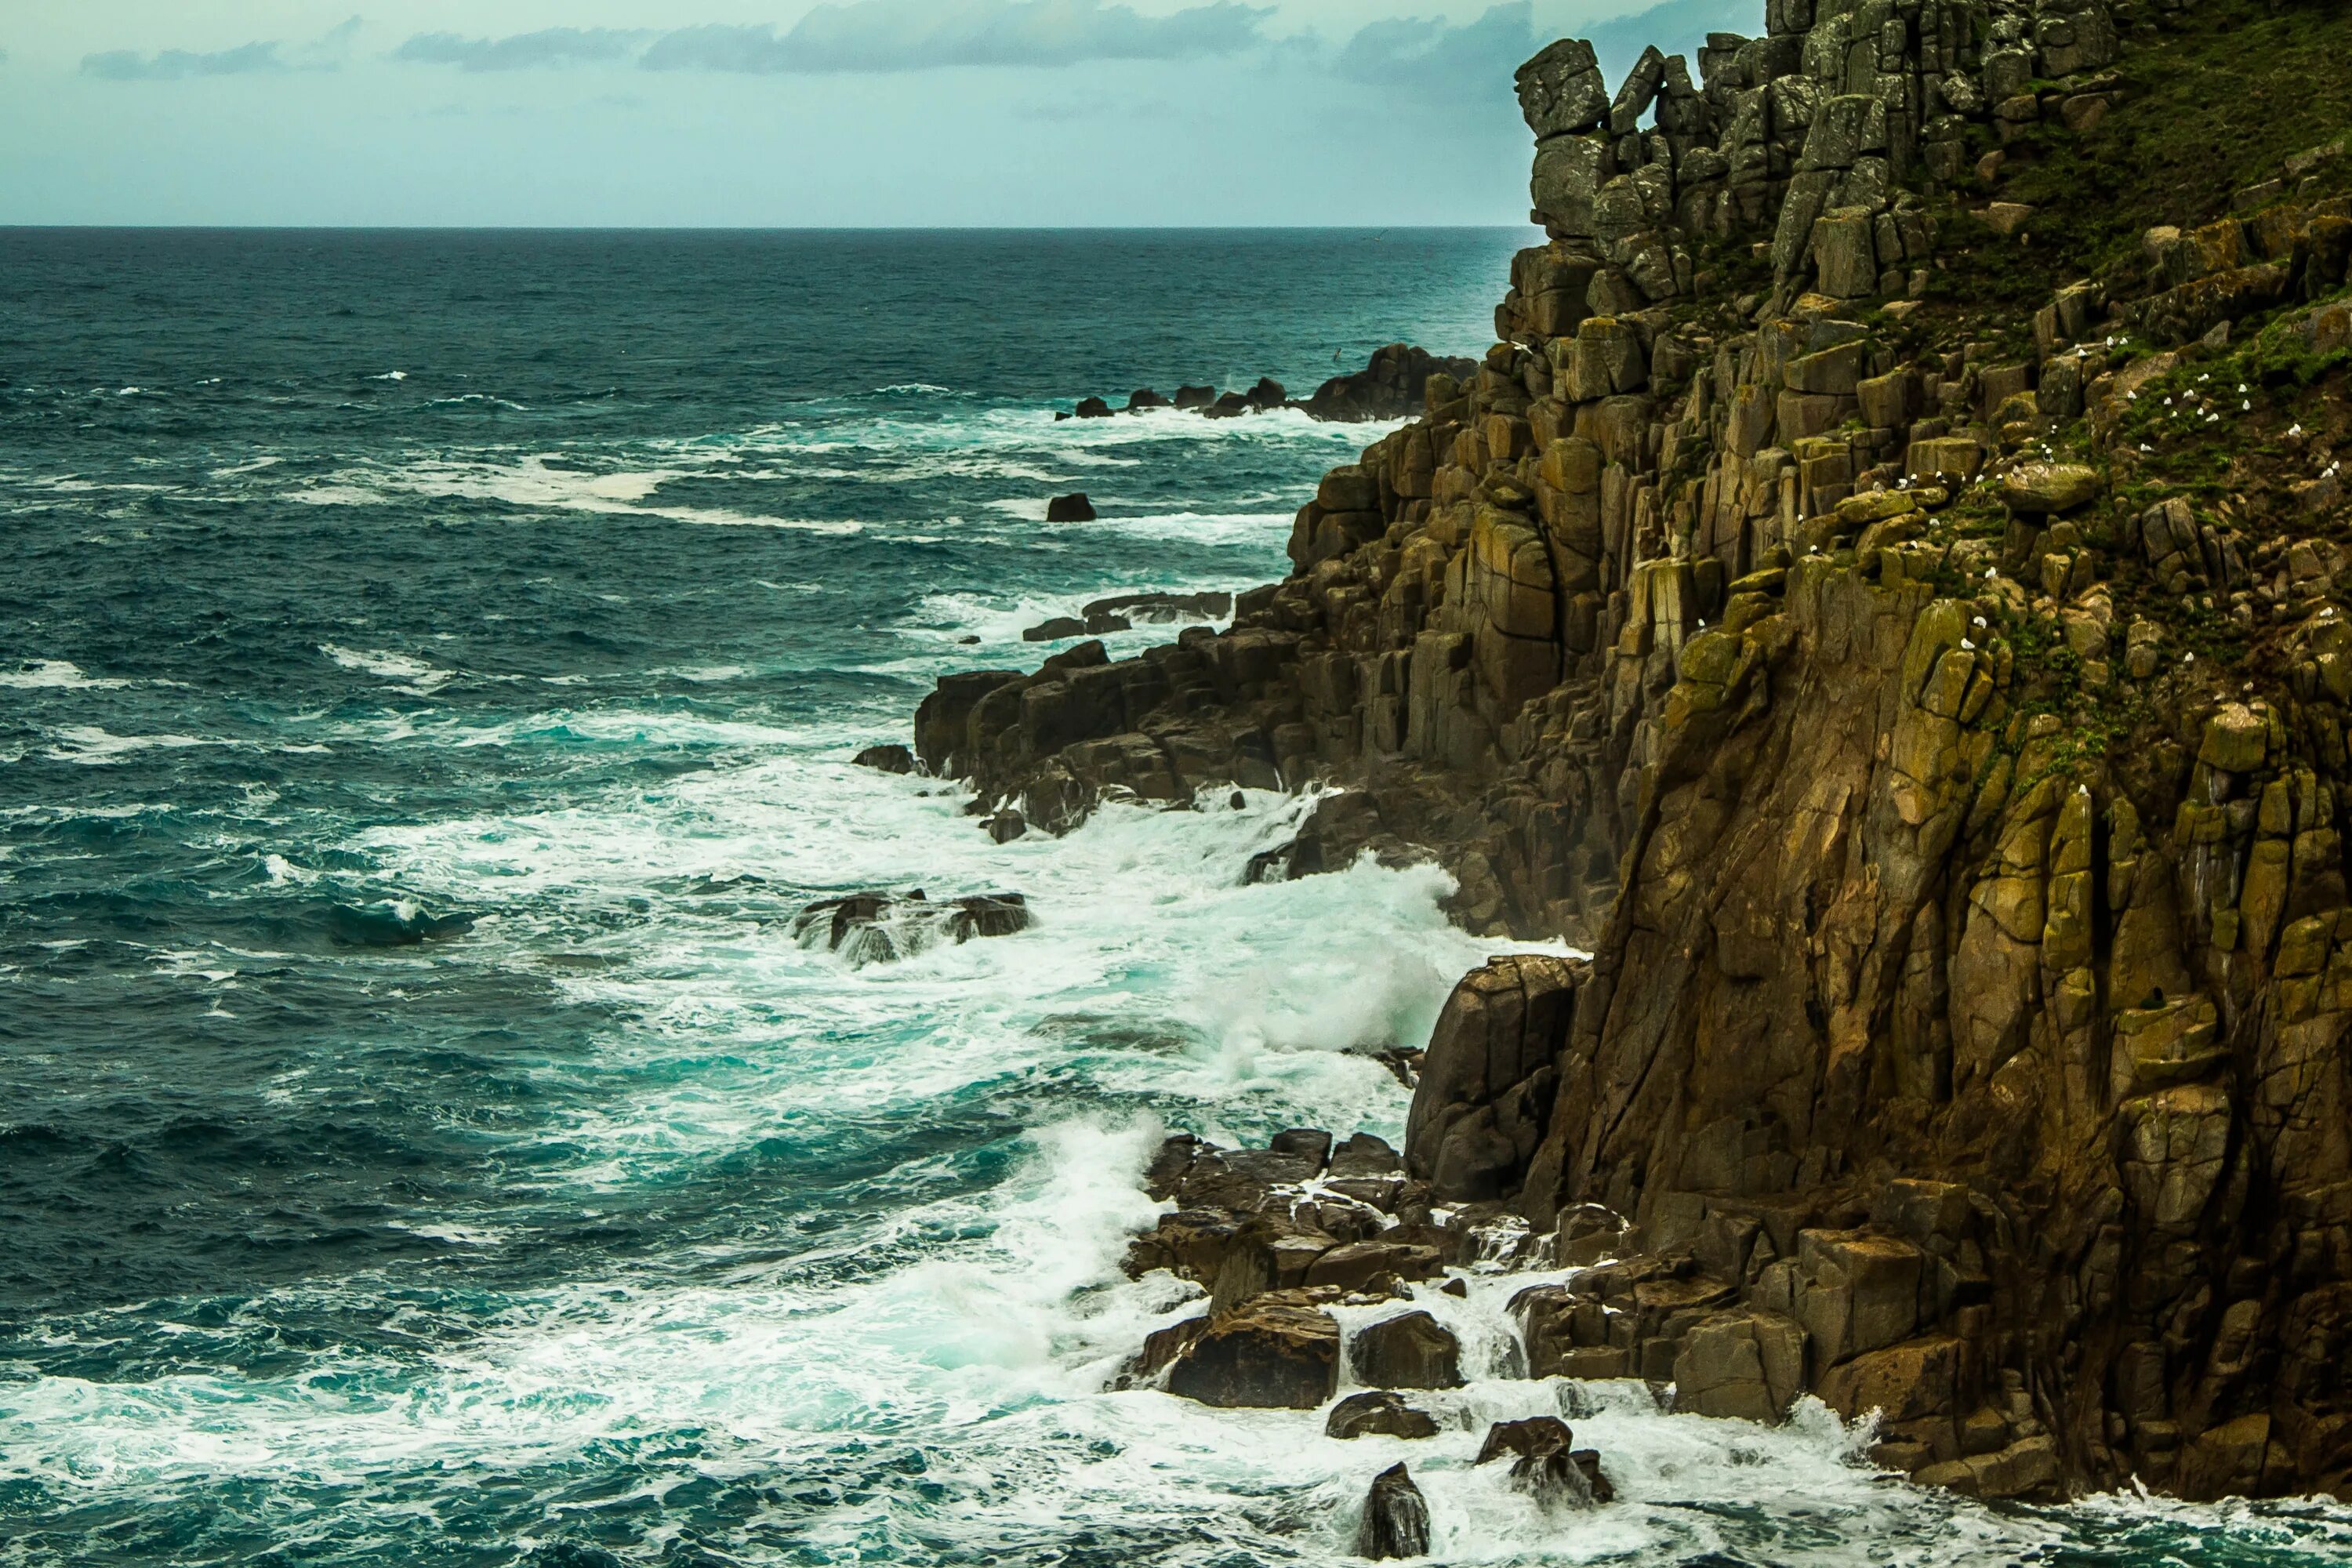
[[1888, 594], [1390, 387]]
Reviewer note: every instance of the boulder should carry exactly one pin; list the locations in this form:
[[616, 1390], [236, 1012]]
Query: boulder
[[1359, 1263], [1272, 1351], [886, 759], [1546, 1462], [1072, 508], [1007, 825], [1562, 90], [1377, 1413], [1196, 396], [2040, 489], [1143, 398], [1396, 1518], [1415, 1350], [1093, 408], [1055, 630]]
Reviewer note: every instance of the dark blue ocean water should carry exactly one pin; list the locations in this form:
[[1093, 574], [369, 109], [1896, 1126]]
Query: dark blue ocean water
[[428, 664]]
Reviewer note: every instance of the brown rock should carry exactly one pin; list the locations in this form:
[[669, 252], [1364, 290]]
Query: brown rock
[[1268, 1352], [1413, 1350], [1378, 1414]]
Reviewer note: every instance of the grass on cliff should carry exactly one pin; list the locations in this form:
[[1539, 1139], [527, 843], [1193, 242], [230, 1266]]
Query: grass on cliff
[[2209, 110]]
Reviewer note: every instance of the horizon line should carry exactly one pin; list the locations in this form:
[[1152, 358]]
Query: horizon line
[[749, 228]]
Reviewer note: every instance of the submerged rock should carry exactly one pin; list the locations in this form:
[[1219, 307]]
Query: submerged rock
[[875, 927], [1377, 1413], [1203, 607], [1396, 1518], [391, 925]]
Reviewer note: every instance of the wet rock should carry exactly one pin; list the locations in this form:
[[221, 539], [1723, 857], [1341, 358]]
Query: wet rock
[[1311, 1144], [1485, 1091], [1169, 1164], [887, 759], [1161, 1349], [1072, 508], [1271, 1352], [1164, 607], [1056, 629], [1415, 1350], [1359, 1264], [1546, 1462], [1378, 1414], [1196, 396], [1143, 398], [874, 927], [1396, 1518], [1006, 825]]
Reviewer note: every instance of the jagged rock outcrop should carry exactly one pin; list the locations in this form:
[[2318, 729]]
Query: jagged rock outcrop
[[1396, 1518], [1389, 386], [1905, 638]]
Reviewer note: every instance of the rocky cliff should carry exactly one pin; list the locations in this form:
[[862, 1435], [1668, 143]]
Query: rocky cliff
[[1884, 593]]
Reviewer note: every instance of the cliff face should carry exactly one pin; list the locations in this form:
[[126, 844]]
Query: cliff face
[[1883, 594]]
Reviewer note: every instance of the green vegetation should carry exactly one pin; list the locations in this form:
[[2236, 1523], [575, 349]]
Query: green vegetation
[[2196, 123]]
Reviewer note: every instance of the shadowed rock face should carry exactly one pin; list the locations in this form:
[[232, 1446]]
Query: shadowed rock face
[[1945, 775]]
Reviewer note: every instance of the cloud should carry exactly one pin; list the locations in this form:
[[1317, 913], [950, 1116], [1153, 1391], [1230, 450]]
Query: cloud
[[1433, 59], [325, 53], [333, 47], [176, 65], [920, 35], [548, 47]]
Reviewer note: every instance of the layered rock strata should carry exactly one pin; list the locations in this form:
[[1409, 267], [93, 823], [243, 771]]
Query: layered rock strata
[[1903, 635]]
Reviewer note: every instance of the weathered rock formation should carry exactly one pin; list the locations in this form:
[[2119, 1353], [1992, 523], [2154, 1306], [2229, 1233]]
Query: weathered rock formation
[[1904, 634]]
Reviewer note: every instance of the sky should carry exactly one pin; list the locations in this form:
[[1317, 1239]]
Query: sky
[[760, 113]]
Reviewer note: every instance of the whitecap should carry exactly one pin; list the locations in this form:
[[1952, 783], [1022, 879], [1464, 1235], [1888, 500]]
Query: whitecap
[[404, 672], [56, 675], [91, 746]]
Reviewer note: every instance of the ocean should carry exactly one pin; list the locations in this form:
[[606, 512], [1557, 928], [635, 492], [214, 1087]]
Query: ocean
[[429, 669]]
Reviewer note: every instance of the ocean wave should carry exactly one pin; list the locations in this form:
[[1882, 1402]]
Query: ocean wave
[[56, 675], [404, 672]]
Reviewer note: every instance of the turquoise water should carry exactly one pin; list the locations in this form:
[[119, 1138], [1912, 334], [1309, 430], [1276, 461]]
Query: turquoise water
[[427, 676]]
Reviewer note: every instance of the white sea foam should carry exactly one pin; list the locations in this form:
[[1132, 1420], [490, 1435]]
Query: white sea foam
[[404, 672], [56, 675], [94, 747]]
